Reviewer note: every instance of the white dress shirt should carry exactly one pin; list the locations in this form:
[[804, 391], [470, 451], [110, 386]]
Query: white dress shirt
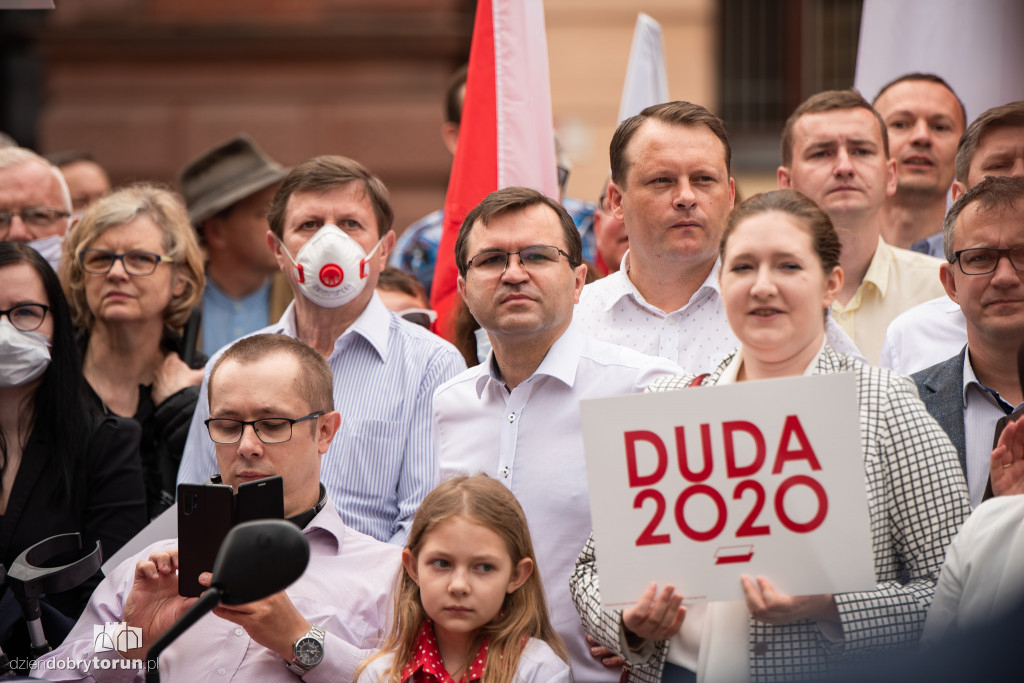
[[924, 335], [697, 336], [529, 439], [381, 462], [982, 409]]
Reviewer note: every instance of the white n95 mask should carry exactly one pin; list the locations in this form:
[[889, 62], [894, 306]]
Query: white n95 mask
[[24, 356], [331, 267]]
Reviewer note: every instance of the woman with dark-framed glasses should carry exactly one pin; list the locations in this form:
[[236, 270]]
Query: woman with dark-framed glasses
[[63, 469], [133, 271]]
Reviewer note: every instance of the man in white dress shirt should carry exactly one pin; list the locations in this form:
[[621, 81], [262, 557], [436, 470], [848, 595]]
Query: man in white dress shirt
[[516, 415], [671, 186]]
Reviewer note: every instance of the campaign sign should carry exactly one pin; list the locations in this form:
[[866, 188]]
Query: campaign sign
[[699, 486]]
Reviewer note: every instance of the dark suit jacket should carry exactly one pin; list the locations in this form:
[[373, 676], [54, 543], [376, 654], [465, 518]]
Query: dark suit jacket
[[941, 387]]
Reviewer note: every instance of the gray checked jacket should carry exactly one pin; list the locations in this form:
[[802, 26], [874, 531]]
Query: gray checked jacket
[[917, 500]]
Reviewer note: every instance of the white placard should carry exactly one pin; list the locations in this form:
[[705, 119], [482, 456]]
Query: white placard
[[697, 487]]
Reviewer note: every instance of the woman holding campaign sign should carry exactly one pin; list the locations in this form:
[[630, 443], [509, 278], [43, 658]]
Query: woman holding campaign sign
[[779, 275]]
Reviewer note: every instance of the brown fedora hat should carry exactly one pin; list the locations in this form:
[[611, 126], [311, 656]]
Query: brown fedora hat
[[226, 174]]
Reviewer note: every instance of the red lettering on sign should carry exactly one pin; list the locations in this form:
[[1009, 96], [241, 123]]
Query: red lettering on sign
[[780, 504], [747, 527], [791, 428], [635, 478], [684, 463], [647, 536], [731, 468], [715, 497]]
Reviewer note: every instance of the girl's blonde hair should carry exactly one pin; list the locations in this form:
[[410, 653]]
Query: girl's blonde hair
[[168, 212], [484, 501]]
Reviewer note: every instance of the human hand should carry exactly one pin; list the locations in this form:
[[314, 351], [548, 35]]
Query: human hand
[[1006, 465], [153, 603], [172, 376], [655, 616], [604, 655], [768, 605], [273, 622]]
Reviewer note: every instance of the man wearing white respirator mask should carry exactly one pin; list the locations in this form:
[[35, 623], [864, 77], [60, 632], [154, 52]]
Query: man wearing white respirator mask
[[35, 205], [331, 233]]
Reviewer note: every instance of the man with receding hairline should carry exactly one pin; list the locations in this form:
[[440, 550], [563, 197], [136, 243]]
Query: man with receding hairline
[[341, 602], [925, 119], [672, 187]]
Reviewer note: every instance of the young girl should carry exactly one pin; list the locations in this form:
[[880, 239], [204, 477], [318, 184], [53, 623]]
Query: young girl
[[469, 605]]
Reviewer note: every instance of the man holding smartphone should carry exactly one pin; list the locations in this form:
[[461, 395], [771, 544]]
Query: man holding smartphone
[[271, 413]]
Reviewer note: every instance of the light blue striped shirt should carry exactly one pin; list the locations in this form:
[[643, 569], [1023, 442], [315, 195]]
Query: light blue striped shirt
[[381, 462]]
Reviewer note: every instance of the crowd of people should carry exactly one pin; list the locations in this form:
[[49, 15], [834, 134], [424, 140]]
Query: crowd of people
[[264, 321]]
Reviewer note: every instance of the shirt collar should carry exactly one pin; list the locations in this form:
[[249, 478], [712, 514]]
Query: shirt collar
[[623, 287], [328, 522], [878, 270], [731, 366], [971, 379], [427, 656], [561, 362], [373, 325]]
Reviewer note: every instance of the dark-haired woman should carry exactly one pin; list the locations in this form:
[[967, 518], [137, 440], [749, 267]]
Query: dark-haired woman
[[61, 470]]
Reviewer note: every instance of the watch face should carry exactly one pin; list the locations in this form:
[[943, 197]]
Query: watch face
[[309, 651]]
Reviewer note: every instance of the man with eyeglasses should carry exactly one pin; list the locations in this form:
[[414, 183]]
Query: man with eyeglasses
[[983, 237], [330, 231], [516, 416], [271, 412], [35, 206]]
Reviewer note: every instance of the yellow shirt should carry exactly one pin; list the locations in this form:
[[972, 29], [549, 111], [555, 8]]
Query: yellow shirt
[[896, 280]]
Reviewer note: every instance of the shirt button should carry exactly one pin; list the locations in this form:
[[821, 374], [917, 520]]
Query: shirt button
[[239, 631], [670, 321], [221, 671], [511, 417], [505, 471], [238, 307]]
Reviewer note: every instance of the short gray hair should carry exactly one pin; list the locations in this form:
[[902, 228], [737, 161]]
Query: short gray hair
[[991, 194], [16, 156]]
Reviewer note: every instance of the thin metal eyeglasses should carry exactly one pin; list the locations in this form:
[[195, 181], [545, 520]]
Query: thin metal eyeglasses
[[26, 317], [101, 261], [531, 258], [33, 217], [982, 260], [268, 430]]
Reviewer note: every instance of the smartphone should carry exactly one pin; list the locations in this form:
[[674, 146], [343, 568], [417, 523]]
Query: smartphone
[[261, 499], [205, 512]]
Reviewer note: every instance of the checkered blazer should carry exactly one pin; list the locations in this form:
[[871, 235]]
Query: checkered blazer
[[917, 498]]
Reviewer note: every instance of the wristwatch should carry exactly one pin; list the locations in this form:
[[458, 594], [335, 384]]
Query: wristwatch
[[308, 651]]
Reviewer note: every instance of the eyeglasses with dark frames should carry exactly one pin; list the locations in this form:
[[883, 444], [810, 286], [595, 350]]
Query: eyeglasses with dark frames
[[101, 261], [532, 258], [33, 217], [268, 430], [26, 317], [982, 260]]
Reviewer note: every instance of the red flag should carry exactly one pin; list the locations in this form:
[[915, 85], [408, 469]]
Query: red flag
[[506, 136]]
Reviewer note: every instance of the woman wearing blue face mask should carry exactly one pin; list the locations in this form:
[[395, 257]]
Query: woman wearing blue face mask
[[133, 272], [61, 470]]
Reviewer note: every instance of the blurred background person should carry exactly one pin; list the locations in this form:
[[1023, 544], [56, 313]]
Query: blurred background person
[[404, 295], [133, 271], [87, 180], [35, 206], [62, 468], [228, 190], [610, 239]]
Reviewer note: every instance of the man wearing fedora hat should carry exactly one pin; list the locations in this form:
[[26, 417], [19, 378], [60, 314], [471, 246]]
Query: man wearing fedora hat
[[228, 190]]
